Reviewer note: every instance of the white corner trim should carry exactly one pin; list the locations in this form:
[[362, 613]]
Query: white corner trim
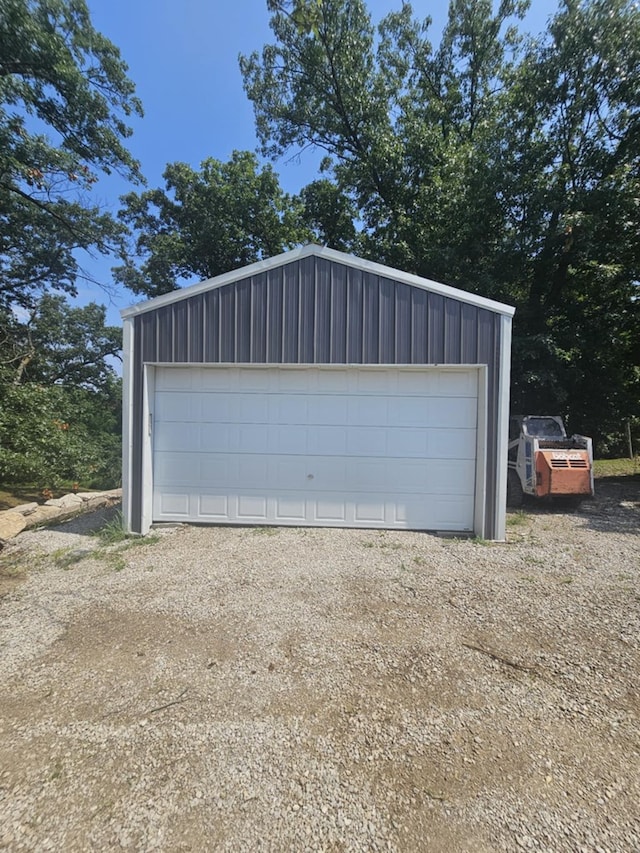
[[127, 420], [330, 255], [148, 425], [480, 501], [502, 430]]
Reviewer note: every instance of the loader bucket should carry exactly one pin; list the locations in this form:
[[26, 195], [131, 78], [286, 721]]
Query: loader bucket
[[563, 472]]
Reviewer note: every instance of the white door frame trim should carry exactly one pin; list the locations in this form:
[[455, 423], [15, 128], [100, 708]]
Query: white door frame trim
[[481, 453], [147, 446]]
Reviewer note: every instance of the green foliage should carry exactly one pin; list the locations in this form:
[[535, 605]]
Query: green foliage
[[64, 104], [494, 162], [59, 343], [207, 222], [329, 214], [50, 435], [60, 399]]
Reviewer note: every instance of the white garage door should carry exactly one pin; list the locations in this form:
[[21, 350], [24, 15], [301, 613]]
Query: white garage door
[[339, 447]]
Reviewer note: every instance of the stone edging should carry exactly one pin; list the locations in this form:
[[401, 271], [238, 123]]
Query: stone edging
[[15, 520]]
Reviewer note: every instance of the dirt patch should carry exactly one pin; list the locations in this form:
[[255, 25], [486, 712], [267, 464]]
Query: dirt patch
[[331, 690]]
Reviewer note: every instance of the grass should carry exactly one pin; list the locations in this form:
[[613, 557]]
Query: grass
[[65, 558], [616, 467], [112, 531], [516, 518]]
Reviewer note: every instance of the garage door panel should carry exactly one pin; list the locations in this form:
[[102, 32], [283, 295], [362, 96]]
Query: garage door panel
[[219, 408], [177, 406], [325, 509], [328, 440], [252, 508], [171, 504], [291, 410], [290, 509], [412, 383], [252, 408], [451, 443], [452, 412], [330, 509], [366, 441], [374, 381], [174, 436], [292, 440], [334, 381], [215, 507], [215, 381], [216, 469], [457, 383], [364, 411], [180, 469], [328, 409], [453, 477], [341, 447], [409, 411], [248, 438], [178, 379]]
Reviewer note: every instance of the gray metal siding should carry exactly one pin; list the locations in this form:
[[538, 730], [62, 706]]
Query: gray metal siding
[[317, 311]]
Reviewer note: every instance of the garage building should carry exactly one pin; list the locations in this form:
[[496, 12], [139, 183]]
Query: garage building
[[317, 389]]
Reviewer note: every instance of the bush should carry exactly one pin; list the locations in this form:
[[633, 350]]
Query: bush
[[52, 435]]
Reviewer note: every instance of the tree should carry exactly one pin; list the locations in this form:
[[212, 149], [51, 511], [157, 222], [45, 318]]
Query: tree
[[329, 214], [64, 104], [51, 435], [60, 396], [58, 343], [500, 164], [207, 222]]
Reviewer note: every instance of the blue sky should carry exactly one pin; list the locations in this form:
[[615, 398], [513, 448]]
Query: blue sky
[[183, 58]]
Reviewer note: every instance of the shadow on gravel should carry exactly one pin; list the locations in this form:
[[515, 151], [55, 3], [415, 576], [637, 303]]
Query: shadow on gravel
[[88, 523], [616, 506]]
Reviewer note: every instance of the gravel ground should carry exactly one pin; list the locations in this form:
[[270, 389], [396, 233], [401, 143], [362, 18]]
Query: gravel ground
[[301, 689]]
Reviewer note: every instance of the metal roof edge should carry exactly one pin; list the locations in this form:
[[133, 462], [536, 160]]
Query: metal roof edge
[[329, 254], [218, 281]]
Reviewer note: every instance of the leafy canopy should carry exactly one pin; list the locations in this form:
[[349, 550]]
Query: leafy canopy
[[59, 344], [65, 101], [206, 222], [498, 163]]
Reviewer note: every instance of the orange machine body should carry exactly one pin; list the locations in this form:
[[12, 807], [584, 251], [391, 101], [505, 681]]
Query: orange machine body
[[562, 472]]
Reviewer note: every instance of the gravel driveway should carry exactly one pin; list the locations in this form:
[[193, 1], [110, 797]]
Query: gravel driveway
[[301, 689]]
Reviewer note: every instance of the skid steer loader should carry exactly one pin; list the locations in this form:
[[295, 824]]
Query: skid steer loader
[[545, 463]]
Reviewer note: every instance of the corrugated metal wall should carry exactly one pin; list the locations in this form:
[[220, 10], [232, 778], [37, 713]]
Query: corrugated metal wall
[[316, 311]]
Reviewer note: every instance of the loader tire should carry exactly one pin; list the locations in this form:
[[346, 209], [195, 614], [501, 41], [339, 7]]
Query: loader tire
[[515, 494]]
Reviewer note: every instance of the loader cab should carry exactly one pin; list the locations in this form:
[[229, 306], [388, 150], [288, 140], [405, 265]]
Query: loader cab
[[543, 426], [536, 426]]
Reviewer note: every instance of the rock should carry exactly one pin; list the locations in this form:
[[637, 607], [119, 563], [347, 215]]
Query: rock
[[111, 494], [25, 509], [11, 523], [66, 501], [42, 515], [96, 502]]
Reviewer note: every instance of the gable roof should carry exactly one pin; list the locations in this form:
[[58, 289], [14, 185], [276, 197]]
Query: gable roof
[[329, 255]]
